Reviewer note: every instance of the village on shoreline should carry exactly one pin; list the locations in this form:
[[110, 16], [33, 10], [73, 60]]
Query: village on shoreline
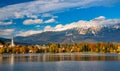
[[81, 47]]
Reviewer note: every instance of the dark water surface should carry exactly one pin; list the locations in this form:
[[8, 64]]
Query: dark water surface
[[60, 62]]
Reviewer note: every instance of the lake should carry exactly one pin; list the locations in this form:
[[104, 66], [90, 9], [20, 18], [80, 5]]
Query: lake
[[60, 62]]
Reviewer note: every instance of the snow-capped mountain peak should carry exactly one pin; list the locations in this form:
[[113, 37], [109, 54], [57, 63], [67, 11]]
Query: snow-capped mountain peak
[[93, 26]]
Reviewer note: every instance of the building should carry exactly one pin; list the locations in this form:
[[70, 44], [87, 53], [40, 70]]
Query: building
[[12, 43], [118, 50], [1, 45]]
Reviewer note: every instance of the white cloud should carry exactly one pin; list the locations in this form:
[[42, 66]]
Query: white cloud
[[32, 16], [37, 21], [6, 23], [43, 6], [48, 28], [31, 21], [59, 26], [50, 21], [49, 15], [18, 15], [100, 18], [46, 15], [6, 31], [28, 33]]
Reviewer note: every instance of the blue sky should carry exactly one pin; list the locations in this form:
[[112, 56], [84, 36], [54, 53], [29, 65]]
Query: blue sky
[[27, 17]]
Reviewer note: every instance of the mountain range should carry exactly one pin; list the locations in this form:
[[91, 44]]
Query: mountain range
[[77, 34]]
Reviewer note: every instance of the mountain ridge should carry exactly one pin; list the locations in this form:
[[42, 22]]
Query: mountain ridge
[[73, 35]]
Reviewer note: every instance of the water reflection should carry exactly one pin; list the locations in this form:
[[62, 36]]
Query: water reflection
[[12, 59]]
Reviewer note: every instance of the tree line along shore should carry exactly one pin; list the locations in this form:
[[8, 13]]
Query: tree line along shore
[[97, 47]]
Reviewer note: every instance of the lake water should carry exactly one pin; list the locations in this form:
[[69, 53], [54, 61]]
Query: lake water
[[60, 62]]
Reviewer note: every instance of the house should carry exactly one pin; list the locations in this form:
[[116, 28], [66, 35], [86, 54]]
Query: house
[[118, 50], [1, 45]]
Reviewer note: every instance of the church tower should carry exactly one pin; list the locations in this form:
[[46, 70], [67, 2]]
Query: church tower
[[12, 43]]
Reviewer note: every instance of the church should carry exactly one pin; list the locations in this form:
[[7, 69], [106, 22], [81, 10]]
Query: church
[[12, 43]]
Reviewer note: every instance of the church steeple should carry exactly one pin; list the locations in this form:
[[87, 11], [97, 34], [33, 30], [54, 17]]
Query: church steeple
[[12, 42]]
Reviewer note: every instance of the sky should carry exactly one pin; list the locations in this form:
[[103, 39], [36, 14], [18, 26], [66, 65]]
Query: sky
[[28, 17]]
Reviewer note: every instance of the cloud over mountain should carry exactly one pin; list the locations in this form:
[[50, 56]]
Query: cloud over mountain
[[6, 31], [50, 21], [27, 33]]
